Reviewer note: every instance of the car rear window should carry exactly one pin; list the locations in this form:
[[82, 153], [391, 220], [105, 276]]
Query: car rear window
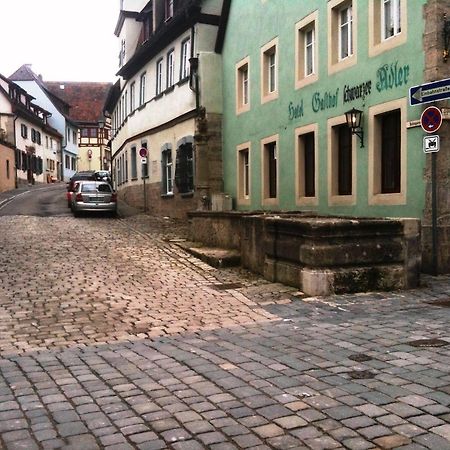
[[93, 187], [88, 187]]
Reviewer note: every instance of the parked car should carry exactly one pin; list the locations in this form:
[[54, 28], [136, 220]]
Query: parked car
[[93, 196], [103, 175], [78, 176]]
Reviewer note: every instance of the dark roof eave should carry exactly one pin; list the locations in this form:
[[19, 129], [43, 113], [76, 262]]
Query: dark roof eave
[[122, 16], [178, 25], [222, 26]]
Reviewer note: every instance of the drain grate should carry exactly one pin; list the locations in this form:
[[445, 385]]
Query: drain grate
[[445, 303], [361, 374], [433, 342], [360, 357], [226, 286]]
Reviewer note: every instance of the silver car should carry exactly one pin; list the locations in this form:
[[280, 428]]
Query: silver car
[[93, 196]]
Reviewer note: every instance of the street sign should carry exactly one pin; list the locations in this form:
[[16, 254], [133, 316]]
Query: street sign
[[431, 119], [429, 92], [143, 152], [431, 143], [144, 160]]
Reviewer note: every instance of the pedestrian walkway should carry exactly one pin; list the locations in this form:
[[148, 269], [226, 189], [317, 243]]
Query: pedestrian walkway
[[130, 342]]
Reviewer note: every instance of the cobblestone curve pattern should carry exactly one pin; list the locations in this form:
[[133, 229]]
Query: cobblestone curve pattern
[[112, 338]]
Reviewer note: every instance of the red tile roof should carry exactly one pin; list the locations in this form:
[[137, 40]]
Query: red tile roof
[[86, 99]]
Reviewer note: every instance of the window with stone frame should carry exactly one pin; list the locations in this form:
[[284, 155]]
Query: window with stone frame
[[306, 54], [387, 24], [390, 154], [242, 86], [184, 168], [269, 148], [342, 23], [269, 71], [243, 174], [134, 163]]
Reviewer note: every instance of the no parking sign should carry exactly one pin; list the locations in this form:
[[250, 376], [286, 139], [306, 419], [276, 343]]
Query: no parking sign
[[431, 119]]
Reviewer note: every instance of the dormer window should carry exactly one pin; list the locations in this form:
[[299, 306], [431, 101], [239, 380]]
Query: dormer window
[[168, 9]]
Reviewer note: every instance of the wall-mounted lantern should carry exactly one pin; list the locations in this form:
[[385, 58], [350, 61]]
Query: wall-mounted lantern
[[353, 119]]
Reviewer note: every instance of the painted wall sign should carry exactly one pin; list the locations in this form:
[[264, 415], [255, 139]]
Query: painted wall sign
[[352, 93], [295, 111], [390, 76], [325, 101]]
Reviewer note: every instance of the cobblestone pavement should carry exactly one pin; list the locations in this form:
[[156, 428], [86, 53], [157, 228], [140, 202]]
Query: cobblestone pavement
[[111, 336]]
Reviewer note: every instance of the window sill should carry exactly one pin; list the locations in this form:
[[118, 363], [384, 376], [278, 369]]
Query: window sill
[[167, 195], [187, 194], [134, 178], [183, 81], [146, 177], [158, 96], [141, 107], [169, 89], [132, 113]]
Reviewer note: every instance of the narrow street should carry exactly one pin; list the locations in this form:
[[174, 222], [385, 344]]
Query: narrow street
[[112, 336]]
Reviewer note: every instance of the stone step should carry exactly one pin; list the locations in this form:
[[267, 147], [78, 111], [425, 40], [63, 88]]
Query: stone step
[[214, 256]]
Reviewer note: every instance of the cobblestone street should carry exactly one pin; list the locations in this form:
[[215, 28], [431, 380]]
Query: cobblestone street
[[112, 336]]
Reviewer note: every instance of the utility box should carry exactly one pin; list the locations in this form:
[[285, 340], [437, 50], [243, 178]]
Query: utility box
[[221, 202]]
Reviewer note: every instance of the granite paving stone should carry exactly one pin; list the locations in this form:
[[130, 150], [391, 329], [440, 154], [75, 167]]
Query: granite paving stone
[[155, 358]]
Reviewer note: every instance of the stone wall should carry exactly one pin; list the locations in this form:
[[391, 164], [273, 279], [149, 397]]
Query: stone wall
[[319, 255], [435, 69], [208, 176]]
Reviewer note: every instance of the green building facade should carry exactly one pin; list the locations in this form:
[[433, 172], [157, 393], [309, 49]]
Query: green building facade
[[292, 69]]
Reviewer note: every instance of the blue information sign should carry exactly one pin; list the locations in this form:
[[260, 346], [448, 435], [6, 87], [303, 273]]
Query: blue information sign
[[429, 92]]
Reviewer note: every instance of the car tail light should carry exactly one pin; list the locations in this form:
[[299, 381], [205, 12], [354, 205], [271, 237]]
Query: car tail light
[[79, 197], [114, 197]]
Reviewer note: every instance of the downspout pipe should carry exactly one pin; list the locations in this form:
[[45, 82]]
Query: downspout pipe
[[16, 177]]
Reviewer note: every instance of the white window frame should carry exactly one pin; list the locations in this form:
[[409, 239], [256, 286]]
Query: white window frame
[[170, 69], [168, 172], [185, 55], [346, 25], [159, 76], [142, 89], [132, 96], [395, 18]]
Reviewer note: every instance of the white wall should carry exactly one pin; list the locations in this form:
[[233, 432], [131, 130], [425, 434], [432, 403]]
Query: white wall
[[57, 121]]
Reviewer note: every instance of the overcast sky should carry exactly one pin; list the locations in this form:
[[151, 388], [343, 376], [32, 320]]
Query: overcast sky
[[63, 40]]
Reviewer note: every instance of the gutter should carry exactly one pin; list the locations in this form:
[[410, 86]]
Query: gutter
[[16, 177]]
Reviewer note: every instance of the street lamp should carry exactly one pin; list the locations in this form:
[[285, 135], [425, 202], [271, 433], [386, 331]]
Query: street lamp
[[353, 119]]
